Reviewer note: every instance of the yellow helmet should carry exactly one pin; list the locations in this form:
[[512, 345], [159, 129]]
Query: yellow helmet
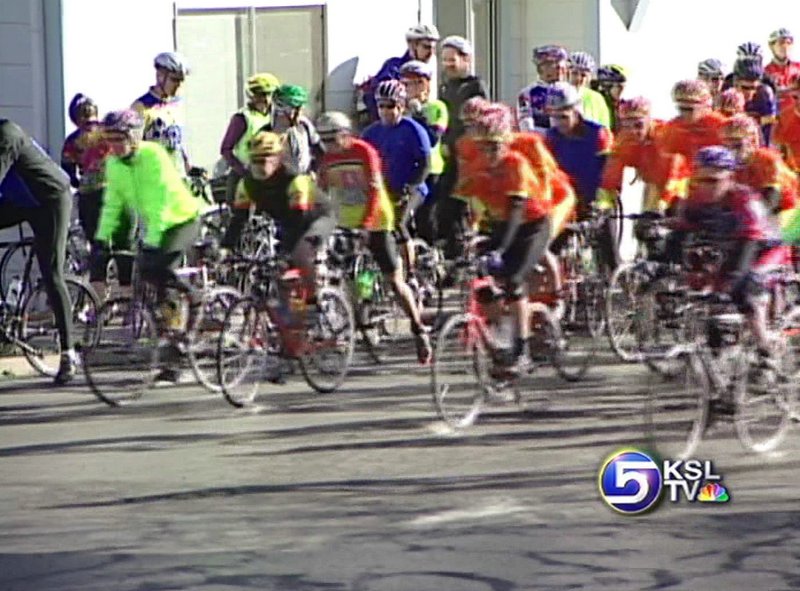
[[262, 84], [265, 143]]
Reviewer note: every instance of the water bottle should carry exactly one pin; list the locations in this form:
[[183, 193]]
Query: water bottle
[[365, 284], [14, 292]]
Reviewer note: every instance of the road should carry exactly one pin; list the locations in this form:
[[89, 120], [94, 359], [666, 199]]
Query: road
[[364, 490]]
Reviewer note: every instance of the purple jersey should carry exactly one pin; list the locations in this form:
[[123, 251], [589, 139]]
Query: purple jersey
[[531, 103], [763, 108]]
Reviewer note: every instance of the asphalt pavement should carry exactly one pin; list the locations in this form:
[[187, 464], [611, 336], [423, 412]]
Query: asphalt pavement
[[364, 489]]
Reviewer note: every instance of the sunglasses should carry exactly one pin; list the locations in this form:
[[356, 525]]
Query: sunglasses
[[686, 108], [560, 117], [747, 87], [173, 78], [633, 124], [713, 78], [707, 180], [387, 105], [428, 46]]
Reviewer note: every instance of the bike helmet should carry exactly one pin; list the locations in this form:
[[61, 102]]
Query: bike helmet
[[291, 96], [634, 107], [472, 109], [422, 33], [333, 122], [262, 84], [741, 126], [79, 104], [390, 90], [781, 34], [582, 61], [562, 95], [172, 62], [710, 67], [416, 68], [458, 43], [612, 74], [265, 143], [731, 101], [494, 122], [718, 157], [127, 122], [549, 53], [749, 49], [691, 92], [748, 69]]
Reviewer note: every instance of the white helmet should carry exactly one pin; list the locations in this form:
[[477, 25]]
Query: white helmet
[[562, 95], [416, 68], [460, 44], [333, 122], [172, 62], [422, 33]]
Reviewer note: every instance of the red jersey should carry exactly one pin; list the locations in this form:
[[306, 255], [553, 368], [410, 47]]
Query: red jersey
[[766, 169], [686, 139], [783, 75], [787, 135]]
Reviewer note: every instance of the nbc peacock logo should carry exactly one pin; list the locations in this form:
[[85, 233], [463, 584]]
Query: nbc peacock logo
[[713, 493]]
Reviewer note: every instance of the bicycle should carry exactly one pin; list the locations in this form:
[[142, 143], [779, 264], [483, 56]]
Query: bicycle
[[280, 320]]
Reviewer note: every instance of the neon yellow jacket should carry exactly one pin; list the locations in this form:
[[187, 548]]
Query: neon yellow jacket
[[148, 186]]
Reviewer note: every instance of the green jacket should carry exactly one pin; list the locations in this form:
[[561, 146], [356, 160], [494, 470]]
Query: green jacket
[[147, 186], [594, 107]]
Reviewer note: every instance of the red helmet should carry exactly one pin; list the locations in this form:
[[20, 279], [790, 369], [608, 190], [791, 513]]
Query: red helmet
[[691, 92], [635, 107], [494, 123], [731, 101]]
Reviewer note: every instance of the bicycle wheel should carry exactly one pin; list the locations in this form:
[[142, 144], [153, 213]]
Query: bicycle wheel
[[38, 330], [429, 276], [459, 371], [12, 265], [330, 340], [123, 363], [574, 346], [765, 399], [621, 297], [677, 408], [202, 353], [381, 320], [248, 352], [658, 332]]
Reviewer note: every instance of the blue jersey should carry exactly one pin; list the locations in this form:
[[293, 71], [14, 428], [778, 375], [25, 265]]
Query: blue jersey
[[582, 157], [763, 108], [390, 70], [404, 149]]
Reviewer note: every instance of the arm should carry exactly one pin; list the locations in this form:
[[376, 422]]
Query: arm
[[69, 161], [422, 157], [516, 209], [12, 138], [236, 129], [372, 162], [240, 215]]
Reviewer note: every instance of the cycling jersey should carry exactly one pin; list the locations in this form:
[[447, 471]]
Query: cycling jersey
[[454, 93], [302, 141], [163, 124], [532, 146], [404, 150], [147, 185], [582, 157], [765, 169], [594, 106], [763, 108], [83, 155], [665, 175], [354, 180], [531, 102], [782, 76], [437, 117], [254, 121], [679, 137], [493, 187], [787, 136]]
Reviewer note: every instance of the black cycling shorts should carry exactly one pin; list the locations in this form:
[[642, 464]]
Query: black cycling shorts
[[384, 250]]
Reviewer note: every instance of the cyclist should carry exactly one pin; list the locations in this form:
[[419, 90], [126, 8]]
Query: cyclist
[[696, 125], [421, 41], [142, 182], [664, 175], [303, 146], [761, 168], [405, 151], [593, 104], [581, 148], [520, 210], [162, 108], [244, 124], [731, 102], [460, 86], [551, 67], [760, 102], [611, 81], [292, 200], [34, 189], [787, 130], [353, 175], [728, 212], [433, 115], [782, 70], [710, 72], [83, 158]]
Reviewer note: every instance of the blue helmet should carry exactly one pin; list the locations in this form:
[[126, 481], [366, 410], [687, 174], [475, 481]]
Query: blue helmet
[[748, 69], [718, 157], [749, 49], [582, 61]]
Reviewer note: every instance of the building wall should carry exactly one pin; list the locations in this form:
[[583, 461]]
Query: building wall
[[23, 93]]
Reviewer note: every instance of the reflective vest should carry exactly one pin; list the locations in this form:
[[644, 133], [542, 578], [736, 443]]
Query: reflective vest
[[256, 121]]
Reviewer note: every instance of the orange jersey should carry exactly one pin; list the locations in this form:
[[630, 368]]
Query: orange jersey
[[686, 139], [787, 136], [766, 169], [512, 176], [664, 174]]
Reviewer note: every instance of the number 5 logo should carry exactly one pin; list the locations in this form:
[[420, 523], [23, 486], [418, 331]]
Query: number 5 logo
[[630, 482]]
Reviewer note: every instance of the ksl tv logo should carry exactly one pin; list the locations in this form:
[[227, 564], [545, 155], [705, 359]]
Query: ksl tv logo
[[631, 482]]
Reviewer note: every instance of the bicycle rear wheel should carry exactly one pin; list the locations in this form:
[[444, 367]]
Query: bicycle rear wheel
[[123, 363], [202, 353], [39, 331], [677, 407], [623, 290], [459, 371], [330, 341]]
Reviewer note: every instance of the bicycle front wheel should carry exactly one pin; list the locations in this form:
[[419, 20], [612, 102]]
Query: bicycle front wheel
[[123, 363], [330, 342]]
